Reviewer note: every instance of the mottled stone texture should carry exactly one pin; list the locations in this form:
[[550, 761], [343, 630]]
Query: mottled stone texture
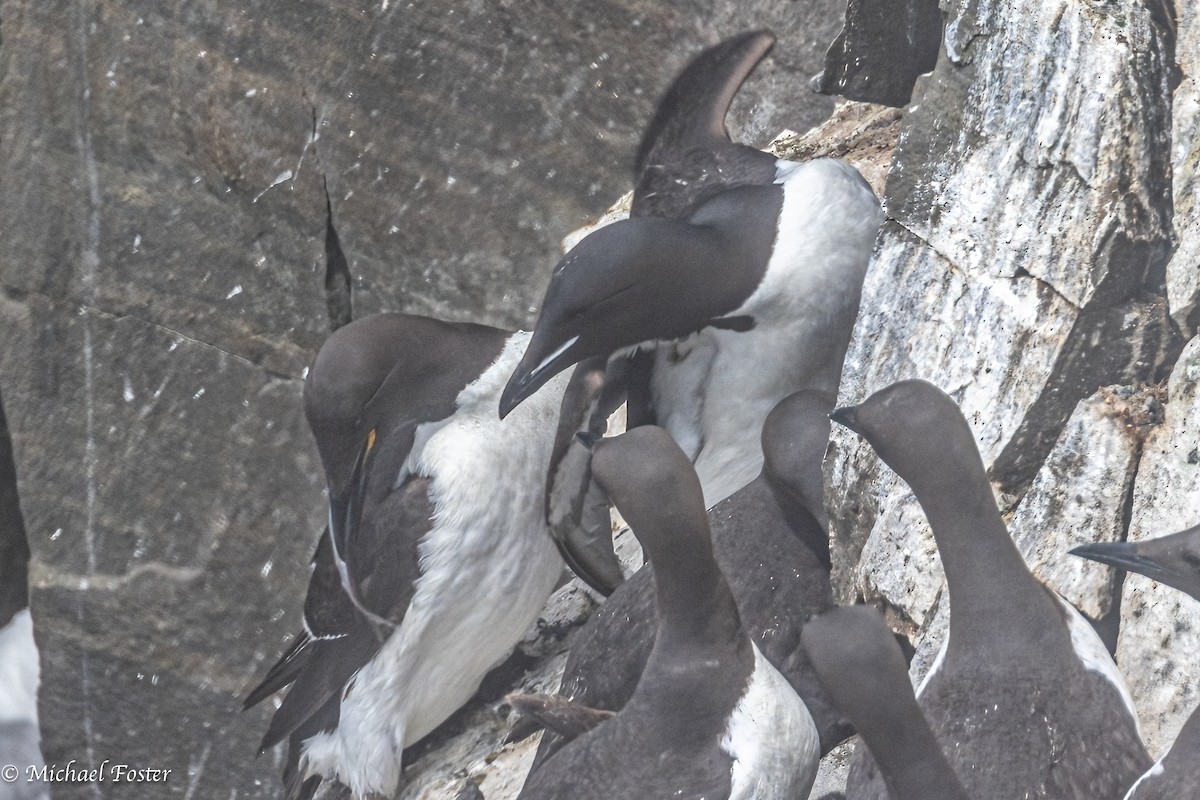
[[864, 134], [1082, 495], [182, 182], [1021, 264], [1183, 273], [1159, 645], [171, 492]]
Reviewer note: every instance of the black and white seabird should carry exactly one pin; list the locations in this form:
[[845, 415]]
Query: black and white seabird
[[685, 159], [770, 543], [437, 556], [860, 664], [710, 717], [1175, 561], [1023, 697], [745, 288]]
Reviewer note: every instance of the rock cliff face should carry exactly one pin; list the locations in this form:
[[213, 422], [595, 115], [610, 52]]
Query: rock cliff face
[[195, 195]]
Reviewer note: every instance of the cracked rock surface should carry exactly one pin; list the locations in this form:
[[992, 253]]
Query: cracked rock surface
[[1024, 269], [1183, 273], [1006, 273], [1160, 626]]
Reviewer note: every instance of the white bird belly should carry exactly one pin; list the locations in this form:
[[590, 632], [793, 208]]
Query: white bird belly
[[712, 392], [487, 567], [772, 739], [18, 670]]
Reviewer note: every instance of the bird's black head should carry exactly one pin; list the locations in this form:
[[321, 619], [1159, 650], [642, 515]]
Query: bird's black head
[[647, 279], [795, 436], [918, 431], [623, 285]]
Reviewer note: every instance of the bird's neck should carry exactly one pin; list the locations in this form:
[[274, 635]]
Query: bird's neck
[[910, 755], [700, 651], [991, 588], [691, 595]]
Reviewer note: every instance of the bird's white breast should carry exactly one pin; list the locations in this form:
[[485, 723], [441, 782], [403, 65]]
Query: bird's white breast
[[771, 738], [487, 567], [713, 391], [1095, 656], [20, 737]]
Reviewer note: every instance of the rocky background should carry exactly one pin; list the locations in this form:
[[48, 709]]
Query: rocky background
[[195, 195]]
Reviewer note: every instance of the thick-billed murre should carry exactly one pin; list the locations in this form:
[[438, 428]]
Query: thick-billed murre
[[710, 717], [1175, 561], [1024, 698], [770, 543], [437, 556]]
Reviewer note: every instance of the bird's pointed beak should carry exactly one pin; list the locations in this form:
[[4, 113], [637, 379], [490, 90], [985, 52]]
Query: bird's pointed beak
[[345, 511], [844, 416], [535, 369], [1123, 555]]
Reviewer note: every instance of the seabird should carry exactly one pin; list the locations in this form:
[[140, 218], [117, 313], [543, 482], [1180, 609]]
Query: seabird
[[860, 664], [685, 158], [770, 543], [1023, 697], [743, 290], [1175, 561], [710, 717], [436, 558]]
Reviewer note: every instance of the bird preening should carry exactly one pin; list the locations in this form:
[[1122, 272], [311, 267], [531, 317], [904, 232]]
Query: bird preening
[[467, 466]]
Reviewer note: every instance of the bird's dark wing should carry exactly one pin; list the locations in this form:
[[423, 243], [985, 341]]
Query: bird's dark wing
[[327, 613], [295, 785], [693, 110], [686, 156], [609, 653], [283, 673], [345, 639], [639, 408]]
